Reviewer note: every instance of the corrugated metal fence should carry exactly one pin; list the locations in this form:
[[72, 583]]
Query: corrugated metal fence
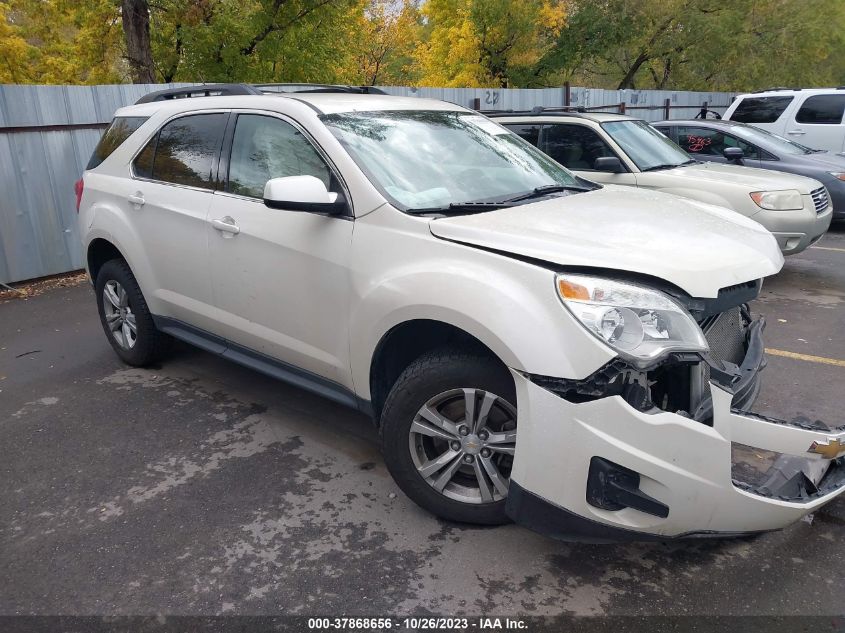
[[47, 134]]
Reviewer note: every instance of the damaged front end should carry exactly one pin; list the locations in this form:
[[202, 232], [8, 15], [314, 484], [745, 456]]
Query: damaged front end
[[712, 452]]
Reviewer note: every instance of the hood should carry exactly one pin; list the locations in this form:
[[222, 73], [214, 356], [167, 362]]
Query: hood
[[825, 160], [696, 246], [751, 178]]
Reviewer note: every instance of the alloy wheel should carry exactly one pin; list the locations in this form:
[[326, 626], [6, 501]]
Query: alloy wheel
[[119, 316], [462, 442]]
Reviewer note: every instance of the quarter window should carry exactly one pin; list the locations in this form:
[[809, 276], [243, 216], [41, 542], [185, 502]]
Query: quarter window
[[574, 146], [760, 109], [266, 147], [183, 151], [825, 109], [121, 128]]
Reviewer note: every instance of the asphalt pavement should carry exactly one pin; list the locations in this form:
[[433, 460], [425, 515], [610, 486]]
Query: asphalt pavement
[[201, 487]]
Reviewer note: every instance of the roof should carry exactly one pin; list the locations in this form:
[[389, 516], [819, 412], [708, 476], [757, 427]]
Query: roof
[[712, 122], [321, 102]]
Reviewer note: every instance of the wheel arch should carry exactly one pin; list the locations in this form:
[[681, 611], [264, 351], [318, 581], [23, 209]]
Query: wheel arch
[[407, 341], [99, 251]]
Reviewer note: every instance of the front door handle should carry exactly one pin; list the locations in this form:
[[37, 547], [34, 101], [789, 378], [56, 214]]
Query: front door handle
[[137, 199], [227, 225], [796, 132]]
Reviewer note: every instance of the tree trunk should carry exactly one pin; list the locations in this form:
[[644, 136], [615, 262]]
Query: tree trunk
[[136, 30], [628, 79]]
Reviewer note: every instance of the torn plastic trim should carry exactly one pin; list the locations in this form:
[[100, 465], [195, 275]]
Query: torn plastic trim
[[798, 480], [799, 422], [635, 385], [736, 378]]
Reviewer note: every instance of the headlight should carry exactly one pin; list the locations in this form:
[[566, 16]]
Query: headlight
[[789, 200], [840, 175], [641, 324]]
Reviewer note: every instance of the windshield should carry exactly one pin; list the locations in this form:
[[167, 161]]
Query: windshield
[[428, 159], [647, 147], [776, 143]]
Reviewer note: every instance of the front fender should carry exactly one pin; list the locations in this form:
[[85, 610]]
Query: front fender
[[509, 305]]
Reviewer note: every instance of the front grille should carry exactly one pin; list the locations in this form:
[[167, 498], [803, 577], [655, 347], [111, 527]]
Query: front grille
[[821, 199], [725, 333]]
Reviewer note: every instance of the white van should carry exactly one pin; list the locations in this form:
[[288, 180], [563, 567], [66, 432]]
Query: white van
[[812, 117]]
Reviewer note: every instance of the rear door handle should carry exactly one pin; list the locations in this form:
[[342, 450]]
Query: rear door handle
[[227, 225], [137, 199], [796, 132]]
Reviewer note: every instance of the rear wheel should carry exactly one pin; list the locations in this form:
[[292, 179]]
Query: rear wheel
[[449, 435], [125, 317]]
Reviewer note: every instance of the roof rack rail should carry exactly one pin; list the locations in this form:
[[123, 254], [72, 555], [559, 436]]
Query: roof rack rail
[[540, 109], [557, 111], [282, 88], [777, 89], [204, 90]]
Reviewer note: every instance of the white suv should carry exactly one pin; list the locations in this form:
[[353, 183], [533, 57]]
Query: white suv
[[812, 117], [532, 346]]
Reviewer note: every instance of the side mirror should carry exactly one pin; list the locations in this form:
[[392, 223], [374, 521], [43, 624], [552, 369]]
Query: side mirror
[[733, 154], [609, 163], [302, 193]]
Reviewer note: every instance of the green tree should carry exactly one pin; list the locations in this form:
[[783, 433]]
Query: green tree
[[699, 44], [248, 40]]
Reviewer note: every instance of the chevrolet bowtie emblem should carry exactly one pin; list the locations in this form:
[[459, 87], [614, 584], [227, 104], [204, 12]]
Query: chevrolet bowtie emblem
[[833, 449]]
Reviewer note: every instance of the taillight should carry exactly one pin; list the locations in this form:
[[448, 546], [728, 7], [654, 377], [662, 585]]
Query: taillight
[[78, 186]]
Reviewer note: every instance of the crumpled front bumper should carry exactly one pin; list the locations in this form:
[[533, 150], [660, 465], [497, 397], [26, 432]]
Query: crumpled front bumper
[[582, 470]]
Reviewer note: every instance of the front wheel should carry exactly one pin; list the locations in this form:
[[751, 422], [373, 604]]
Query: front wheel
[[449, 435]]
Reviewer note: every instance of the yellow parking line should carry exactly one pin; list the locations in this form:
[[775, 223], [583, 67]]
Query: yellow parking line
[[829, 248], [812, 359]]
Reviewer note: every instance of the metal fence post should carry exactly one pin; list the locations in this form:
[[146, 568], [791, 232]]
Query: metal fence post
[[567, 94], [667, 107]]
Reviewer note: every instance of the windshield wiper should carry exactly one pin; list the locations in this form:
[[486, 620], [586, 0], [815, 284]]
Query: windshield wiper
[[462, 207], [667, 166], [544, 190]]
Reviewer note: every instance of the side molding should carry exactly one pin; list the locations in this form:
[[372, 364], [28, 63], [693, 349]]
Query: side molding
[[262, 363]]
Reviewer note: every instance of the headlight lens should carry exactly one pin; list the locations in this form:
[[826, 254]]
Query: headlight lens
[[789, 200], [641, 324], [840, 175]]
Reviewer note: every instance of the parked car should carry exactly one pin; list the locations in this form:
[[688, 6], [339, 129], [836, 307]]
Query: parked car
[[812, 117], [572, 356], [744, 144], [617, 149]]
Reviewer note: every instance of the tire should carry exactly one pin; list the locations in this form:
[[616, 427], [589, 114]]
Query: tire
[[448, 382], [146, 344]]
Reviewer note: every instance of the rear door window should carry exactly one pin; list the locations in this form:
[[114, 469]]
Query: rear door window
[[824, 109], [184, 151], [574, 146], [760, 109], [121, 128]]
